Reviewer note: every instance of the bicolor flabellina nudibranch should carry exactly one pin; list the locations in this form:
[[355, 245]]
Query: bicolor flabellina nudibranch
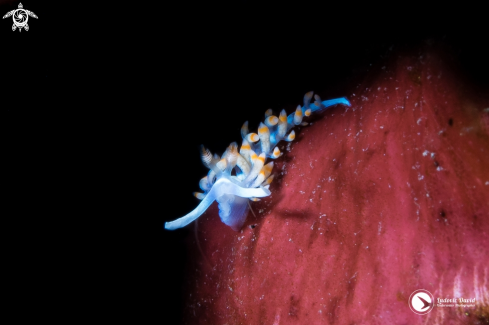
[[240, 176]]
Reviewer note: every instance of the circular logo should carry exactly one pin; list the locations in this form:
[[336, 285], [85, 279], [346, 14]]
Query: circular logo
[[421, 302], [20, 17]]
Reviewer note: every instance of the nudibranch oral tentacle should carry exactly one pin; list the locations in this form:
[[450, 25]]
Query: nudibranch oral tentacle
[[221, 187], [252, 176]]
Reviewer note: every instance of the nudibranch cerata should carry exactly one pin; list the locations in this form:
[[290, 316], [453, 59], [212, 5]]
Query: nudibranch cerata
[[237, 177]]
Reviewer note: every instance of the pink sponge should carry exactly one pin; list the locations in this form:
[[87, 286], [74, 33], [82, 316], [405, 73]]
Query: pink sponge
[[371, 203]]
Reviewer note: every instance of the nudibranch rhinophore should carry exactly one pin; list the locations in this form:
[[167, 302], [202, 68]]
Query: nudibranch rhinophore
[[252, 177]]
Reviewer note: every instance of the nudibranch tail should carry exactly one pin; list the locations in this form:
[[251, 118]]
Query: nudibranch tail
[[240, 176], [327, 103]]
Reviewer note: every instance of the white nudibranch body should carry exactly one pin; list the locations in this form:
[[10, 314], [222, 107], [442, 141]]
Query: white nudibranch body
[[252, 176]]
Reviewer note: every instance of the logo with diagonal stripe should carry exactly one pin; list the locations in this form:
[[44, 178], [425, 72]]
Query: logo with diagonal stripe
[[421, 302]]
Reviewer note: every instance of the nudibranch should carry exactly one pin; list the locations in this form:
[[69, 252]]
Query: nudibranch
[[239, 176]]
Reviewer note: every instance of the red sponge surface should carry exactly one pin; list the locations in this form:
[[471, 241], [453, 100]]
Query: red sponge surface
[[370, 203]]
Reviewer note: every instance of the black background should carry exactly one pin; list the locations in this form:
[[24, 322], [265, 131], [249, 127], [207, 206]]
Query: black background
[[104, 108]]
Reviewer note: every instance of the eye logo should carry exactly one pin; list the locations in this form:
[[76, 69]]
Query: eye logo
[[421, 302], [20, 17]]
